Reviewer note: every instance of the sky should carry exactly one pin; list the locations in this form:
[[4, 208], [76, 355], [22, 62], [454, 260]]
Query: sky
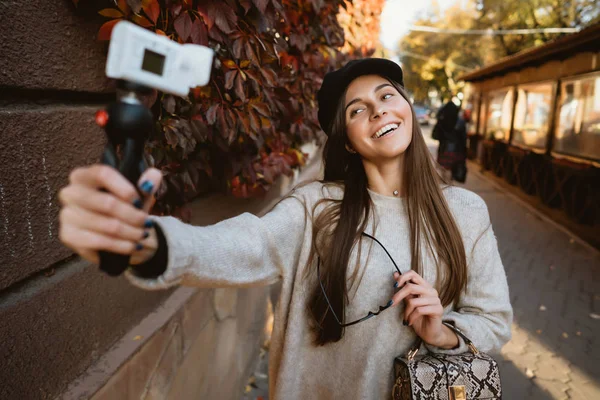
[[398, 15]]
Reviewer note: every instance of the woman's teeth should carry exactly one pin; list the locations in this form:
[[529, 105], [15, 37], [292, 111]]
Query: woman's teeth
[[385, 130]]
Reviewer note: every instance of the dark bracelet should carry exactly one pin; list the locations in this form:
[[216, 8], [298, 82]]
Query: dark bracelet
[[157, 265]]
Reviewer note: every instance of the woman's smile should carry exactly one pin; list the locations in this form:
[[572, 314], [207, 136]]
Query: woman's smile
[[387, 131]]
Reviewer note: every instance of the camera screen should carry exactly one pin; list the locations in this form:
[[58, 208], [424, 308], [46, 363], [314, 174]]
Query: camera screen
[[153, 62]]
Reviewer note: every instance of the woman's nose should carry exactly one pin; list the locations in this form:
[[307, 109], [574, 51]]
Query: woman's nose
[[379, 113]]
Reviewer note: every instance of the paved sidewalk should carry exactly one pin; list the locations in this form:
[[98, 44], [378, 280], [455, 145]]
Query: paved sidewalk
[[554, 283]]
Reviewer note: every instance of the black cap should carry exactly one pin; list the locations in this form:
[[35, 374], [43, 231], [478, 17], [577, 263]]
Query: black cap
[[336, 82]]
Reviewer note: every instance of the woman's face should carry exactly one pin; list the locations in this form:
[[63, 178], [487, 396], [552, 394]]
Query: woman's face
[[378, 119]]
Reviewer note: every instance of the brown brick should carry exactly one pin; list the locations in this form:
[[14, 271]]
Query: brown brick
[[51, 45], [40, 147]]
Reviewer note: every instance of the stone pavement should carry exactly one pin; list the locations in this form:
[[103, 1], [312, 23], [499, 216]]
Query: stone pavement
[[554, 282]]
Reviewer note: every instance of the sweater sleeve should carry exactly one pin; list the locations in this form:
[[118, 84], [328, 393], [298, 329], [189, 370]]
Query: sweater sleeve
[[242, 251], [483, 313]]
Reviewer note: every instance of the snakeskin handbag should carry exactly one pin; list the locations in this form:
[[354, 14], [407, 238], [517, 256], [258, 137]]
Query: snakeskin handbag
[[467, 376]]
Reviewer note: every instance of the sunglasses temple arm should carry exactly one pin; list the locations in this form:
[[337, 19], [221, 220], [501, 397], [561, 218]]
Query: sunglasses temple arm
[[325, 294], [384, 249]]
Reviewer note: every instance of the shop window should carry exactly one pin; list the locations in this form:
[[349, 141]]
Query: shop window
[[532, 115], [578, 118], [498, 114], [472, 111]]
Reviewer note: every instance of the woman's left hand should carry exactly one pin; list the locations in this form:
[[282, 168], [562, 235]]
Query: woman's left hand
[[423, 310]]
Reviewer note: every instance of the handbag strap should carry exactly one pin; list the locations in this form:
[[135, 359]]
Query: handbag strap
[[417, 346]]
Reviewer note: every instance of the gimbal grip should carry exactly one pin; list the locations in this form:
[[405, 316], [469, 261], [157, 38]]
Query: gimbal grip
[[128, 125]]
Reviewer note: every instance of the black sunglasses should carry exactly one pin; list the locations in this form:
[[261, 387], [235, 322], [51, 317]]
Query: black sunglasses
[[371, 313]]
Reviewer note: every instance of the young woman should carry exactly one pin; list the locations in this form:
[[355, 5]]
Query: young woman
[[337, 245]]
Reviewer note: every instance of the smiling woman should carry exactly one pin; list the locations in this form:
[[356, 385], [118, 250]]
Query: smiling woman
[[379, 124], [378, 253]]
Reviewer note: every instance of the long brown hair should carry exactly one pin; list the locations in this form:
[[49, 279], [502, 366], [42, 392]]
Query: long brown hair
[[342, 221]]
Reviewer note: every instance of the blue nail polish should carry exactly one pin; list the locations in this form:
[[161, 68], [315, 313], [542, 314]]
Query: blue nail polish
[[139, 246], [390, 303], [146, 186], [405, 322], [137, 203], [396, 284], [146, 234], [148, 223]]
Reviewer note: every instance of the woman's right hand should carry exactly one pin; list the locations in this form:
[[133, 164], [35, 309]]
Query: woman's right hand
[[114, 220]]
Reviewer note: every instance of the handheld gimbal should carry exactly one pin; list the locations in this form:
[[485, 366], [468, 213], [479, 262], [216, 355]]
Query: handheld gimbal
[[141, 61], [128, 124]]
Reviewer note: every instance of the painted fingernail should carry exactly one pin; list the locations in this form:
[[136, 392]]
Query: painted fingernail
[[148, 223], [139, 246], [396, 284], [137, 203], [390, 303], [147, 186], [405, 322], [146, 234]]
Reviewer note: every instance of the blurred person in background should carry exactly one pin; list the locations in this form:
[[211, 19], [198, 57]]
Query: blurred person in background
[[450, 131]]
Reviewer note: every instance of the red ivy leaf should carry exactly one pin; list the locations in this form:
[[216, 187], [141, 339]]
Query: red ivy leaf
[[262, 108], [269, 76], [171, 136], [202, 9], [223, 123], [211, 114], [122, 4], [251, 54], [142, 21], [135, 5], [183, 26], [232, 118], [254, 121], [300, 41], [152, 10], [111, 13], [223, 15], [106, 29], [229, 78], [199, 33], [176, 9], [261, 5], [239, 88], [237, 48], [246, 4], [245, 123], [265, 122]]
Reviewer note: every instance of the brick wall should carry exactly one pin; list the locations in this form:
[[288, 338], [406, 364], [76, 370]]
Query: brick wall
[[58, 313]]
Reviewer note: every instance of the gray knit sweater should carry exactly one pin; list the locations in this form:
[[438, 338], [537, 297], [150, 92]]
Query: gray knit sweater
[[247, 251]]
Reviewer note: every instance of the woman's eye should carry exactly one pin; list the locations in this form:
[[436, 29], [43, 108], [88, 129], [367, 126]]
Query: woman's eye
[[354, 112], [386, 96]]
